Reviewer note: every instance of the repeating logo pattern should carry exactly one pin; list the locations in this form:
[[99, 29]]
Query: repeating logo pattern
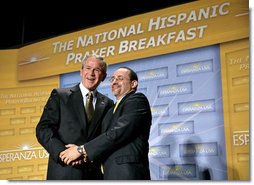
[[184, 91]]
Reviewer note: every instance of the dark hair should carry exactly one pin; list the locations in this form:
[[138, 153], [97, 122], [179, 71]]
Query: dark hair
[[133, 74]]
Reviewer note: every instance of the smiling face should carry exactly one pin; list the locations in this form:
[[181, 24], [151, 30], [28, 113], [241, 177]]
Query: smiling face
[[121, 83], [92, 73]]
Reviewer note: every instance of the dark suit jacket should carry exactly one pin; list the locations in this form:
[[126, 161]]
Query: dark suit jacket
[[124, 144], [64, 122]]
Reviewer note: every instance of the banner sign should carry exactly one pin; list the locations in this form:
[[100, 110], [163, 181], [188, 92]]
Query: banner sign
[[164, 31]]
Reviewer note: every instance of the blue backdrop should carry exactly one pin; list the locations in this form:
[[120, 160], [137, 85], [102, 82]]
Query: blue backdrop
[[184, 90]]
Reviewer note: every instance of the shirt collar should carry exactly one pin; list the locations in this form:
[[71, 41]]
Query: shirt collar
[[118, 101], [84, 90]]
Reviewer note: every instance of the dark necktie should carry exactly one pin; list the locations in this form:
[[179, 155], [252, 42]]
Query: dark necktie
[[89, 106]]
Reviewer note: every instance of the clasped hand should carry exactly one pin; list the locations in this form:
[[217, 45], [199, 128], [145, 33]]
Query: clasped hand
[[71, 156]]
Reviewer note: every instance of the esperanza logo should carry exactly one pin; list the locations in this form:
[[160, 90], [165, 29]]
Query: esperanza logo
[[153, 74], [159, 151], [178, 171], [196, 107], [176, 128], [196, 67], [24, 152], [160, 110], [198, 149], [175, 89]]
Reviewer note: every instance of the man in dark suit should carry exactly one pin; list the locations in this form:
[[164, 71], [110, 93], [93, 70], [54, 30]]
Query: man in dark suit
[[64, 121], [123, 147]]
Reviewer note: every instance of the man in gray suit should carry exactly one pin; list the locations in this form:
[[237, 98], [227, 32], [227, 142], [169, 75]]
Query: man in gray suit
[[64, 120], [123, 147]]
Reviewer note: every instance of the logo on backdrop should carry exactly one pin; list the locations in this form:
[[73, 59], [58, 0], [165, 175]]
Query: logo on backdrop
[[153, 74], [23, 152], [176, 128], [160, 110], [198, 149], [196, 107], [194, 68], [241, 137], [159, 151], [178, 171], [175, 89]]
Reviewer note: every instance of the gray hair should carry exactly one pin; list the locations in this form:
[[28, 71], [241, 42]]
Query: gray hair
[[101, 59]]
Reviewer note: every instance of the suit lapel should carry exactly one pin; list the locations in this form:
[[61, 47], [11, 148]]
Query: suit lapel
[[107, 121], [111, 117], [98, 113], [78, 107], [122, 101]]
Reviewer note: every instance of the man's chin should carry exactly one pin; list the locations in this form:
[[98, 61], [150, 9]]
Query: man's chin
[[90, 87], [114, 93]]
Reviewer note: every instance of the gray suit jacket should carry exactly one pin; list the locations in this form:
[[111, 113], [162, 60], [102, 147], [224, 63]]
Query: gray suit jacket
[[63, 121]]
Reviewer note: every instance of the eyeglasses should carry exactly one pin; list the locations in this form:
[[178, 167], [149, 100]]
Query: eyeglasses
[[120, 78]]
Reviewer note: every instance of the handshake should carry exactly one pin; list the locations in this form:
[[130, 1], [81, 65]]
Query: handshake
[[73, 155]]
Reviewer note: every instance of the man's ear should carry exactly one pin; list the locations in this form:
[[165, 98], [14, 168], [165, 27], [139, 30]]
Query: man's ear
[[134, 84], [105, 75]]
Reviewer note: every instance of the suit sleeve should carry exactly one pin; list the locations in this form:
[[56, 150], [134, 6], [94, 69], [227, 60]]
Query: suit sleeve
[[46, 130], [127, 127]]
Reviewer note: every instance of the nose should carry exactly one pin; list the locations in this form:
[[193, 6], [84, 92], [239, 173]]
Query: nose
[[91, 72], [114, 82]]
